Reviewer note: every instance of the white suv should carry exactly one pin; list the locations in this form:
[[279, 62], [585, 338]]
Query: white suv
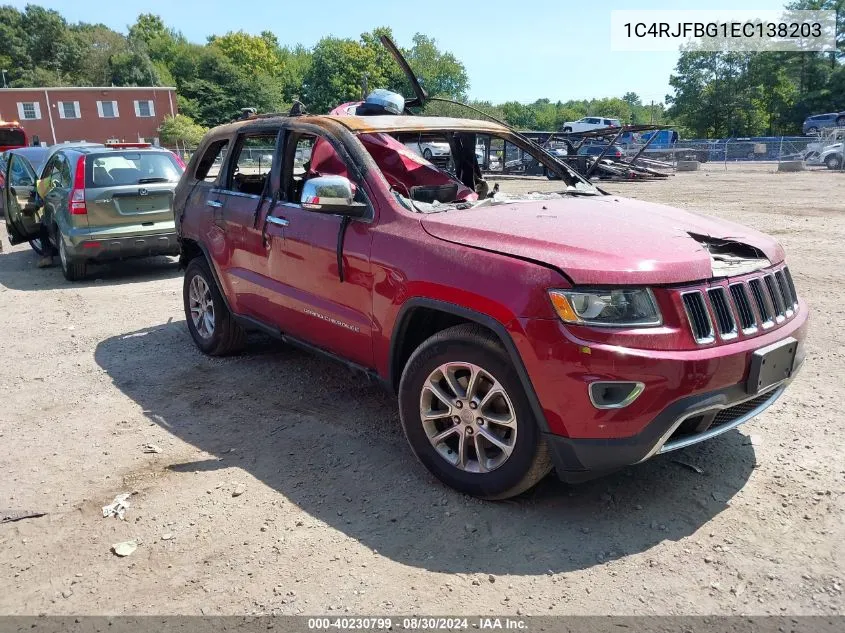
[[590, 123]]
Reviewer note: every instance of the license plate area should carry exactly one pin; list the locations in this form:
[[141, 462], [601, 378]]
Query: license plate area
[[771, 364]]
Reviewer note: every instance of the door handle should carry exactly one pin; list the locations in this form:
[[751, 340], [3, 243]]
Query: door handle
[[278, 221], [215, 204]]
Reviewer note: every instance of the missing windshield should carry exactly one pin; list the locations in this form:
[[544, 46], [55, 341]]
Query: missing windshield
[[441, 170]]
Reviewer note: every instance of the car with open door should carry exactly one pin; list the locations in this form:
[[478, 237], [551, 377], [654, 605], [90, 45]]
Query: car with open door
[[101, 203], [28, 160], [20, 200]]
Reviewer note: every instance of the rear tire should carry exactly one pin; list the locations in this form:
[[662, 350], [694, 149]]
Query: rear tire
[[480, 368], [215, 331], [73, 270]]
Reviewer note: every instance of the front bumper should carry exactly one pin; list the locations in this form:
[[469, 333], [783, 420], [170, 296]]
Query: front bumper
[[689, 395], [706, 416]]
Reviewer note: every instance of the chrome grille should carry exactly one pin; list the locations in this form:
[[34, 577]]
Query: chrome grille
[[743, 306], [791, 285], [761, 301], [747, 320], [775, 296], [724, 317], [699, 317], [785, 292]]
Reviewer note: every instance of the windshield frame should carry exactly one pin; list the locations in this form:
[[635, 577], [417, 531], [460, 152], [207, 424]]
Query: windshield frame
[[571, 179]]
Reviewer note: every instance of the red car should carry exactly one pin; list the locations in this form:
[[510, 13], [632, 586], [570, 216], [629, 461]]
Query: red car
[[521, 332], [12, 135]]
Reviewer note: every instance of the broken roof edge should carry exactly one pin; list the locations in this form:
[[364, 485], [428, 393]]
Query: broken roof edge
[[384, 123], [410, 123]]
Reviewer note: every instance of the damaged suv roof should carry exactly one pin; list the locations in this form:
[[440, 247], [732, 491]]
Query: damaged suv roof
[[405, 123], [385, 123]]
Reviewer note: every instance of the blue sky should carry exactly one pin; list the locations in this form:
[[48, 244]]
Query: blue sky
[[512, 50]]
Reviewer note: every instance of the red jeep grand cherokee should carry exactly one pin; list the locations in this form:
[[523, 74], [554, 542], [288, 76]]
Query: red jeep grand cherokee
[[522, 332]]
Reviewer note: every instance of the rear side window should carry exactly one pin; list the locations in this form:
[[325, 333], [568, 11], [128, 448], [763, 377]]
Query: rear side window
[[209, 165], [11, 136], [117, 169]]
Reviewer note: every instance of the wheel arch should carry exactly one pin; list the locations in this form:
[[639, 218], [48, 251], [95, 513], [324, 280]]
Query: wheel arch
[[421, 317], [189, 250]]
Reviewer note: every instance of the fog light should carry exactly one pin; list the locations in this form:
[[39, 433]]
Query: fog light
[[614, 394]]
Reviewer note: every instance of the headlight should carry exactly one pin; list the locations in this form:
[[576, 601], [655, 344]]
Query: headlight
[[609, 308]]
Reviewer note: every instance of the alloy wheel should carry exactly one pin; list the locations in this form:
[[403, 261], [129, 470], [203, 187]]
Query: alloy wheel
[[468, 417], [201, 306]]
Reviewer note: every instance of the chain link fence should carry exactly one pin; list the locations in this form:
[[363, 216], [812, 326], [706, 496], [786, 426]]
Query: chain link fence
[[813, 152]]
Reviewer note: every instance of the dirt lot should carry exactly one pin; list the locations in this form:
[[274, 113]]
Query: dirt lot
[[336, 516]]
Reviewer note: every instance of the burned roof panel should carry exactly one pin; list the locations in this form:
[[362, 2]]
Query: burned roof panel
[[405, 123]]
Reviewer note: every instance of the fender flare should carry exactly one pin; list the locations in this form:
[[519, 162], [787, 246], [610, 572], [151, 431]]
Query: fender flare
[[213, 269], [480, 318]]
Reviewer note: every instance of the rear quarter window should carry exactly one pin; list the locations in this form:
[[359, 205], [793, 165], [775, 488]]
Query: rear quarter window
[[117, 169], [208, 167], [12, 136]]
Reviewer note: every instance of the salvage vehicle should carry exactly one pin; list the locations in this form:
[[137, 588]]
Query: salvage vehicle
[[590, 123], [831, 157], [12, 135], [99, 203], [814, 124], [596, 149], [521, 332]]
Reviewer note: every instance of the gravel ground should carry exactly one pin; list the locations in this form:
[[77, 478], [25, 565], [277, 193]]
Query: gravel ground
[[283, 483]]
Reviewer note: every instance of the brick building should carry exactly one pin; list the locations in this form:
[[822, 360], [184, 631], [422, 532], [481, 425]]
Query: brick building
[[90, 114]]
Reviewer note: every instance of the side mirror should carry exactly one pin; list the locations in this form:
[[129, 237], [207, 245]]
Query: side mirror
[[331, 194]]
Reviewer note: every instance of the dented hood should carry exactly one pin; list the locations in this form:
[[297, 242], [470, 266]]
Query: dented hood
[[601, 239]]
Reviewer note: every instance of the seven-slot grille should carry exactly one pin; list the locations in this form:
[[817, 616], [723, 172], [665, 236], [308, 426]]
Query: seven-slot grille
[[746, 306]]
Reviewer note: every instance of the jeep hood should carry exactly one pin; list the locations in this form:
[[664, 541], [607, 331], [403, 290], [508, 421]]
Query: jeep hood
[[607, 239]]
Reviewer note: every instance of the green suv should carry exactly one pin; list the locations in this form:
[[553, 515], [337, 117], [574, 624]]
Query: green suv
[[97, 203]]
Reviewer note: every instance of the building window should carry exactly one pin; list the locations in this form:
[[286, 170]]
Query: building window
[[29, 110], [144, 109], [107, 109], [69, 110]]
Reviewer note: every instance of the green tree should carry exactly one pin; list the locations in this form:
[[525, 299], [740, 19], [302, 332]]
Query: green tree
[[133, 67], [252, 53], [336, 72], [181, 129], [99, 44], [439, 72], [519, 115]]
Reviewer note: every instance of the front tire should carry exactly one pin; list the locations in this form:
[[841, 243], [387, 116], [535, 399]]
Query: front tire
[[73, 270], [427, 154], [210, 323], [833, 161], [467, 418]]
